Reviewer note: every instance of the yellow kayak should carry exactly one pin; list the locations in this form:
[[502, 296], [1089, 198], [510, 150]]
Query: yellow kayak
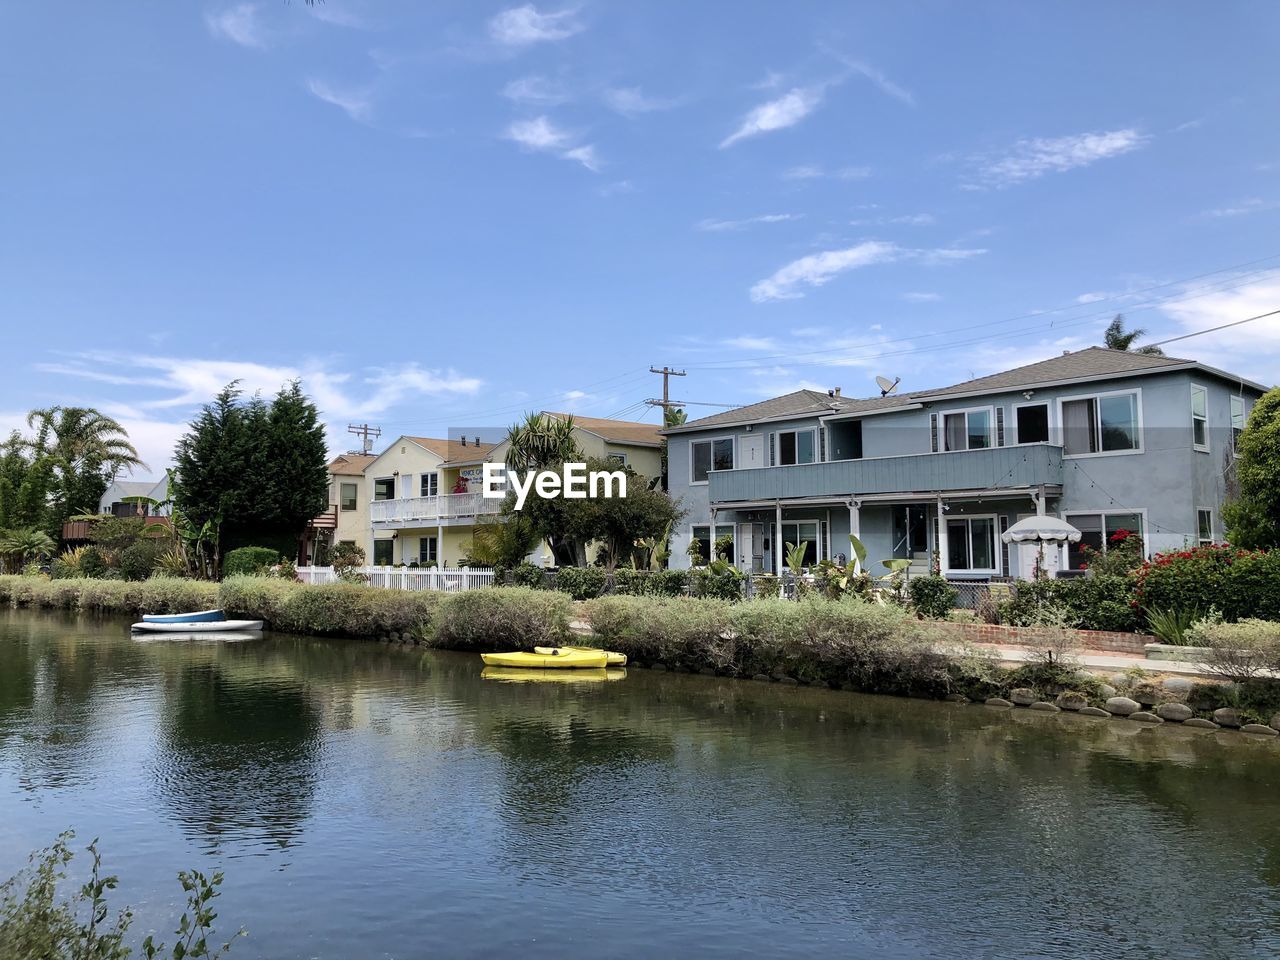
[[555, 658], [519, 675], [615, 659]]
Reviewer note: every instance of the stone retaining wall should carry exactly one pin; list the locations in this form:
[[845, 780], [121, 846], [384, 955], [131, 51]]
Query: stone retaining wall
[[1133, 644]]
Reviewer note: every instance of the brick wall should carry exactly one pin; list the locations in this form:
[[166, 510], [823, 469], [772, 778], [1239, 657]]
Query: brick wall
[[1128, 643]]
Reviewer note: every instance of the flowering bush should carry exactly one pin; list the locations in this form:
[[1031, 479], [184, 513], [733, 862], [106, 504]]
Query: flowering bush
[[1124, 554], [1239, 583]]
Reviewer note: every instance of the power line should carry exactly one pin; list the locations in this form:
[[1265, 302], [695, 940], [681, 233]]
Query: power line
[[1222, 326]]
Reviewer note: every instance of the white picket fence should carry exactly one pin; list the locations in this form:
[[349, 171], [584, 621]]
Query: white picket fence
[[404, 578]]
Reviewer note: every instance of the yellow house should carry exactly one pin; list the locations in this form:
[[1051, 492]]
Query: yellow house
[[424, 495]]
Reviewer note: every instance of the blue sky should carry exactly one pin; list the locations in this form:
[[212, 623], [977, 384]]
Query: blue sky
[[440, 214]]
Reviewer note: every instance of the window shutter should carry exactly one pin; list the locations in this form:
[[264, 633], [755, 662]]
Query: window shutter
[[771, 454], [822, 444], [999, 426], [824, 535], [1004, 547], [933, 432]]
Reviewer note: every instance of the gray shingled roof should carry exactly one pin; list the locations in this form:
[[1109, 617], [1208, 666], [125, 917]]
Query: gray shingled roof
[[1079, 365]]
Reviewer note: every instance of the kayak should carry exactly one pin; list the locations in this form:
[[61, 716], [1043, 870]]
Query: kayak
[[521, 675], [212, 627], [556, 658], [200, 616], [614, 659]]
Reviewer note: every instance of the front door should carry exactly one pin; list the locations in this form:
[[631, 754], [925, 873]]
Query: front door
[[750, 451], [750, 542]]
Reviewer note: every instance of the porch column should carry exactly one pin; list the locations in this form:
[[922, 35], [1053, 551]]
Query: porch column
[[942, 540], [855, 528], [777, 540], [439, 544], [1040, 499]]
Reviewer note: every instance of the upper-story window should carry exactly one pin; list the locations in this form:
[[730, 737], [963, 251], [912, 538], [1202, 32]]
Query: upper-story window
[[1199, 417], [1032, 422], [347, 495], [1237, 422], [708, 455], [796, 446], [966, 429], [1106, 423], [384, 488], [429, 485], [616, 456]]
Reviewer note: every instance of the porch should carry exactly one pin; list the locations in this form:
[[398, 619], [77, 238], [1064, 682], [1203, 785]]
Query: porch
[[401, 512]]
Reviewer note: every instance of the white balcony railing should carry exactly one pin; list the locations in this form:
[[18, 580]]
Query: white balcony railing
[[450, 506], [404, 578]]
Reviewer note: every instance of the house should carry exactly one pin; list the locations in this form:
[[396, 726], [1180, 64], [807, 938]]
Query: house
[[114, 501], [347, 519], [424, 493], [1105, 439]]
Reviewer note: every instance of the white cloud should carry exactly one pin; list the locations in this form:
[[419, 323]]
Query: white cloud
[[536, 90], [522, 26], [719, 226], [239, 24], [751, 343], [335, 13], [1031, 159], [910, 220], [1243, 208], [817, 269], [881, 81], [357, 104], [785, 111], [1251, 349], [542, 136], [1093, 297], [630, 101], [914, 297], [813, 171]]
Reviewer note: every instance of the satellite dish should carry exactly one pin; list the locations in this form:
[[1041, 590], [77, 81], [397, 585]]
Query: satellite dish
[[887, 386]]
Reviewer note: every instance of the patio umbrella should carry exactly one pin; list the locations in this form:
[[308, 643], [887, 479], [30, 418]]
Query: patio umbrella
[[1042, 528]]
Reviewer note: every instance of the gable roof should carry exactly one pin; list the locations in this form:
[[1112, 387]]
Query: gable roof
[[615, 431], [350, 464], [454, 451], [132, 488], [1091, 363]]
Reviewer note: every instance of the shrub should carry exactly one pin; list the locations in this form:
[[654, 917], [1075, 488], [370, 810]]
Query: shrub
[[719, 581], [92, 564], [1099, 602], [649, 583], [332, 609], [1239, 651], [138, 560], [1171, 626], [249, 560], [668, 630], [110, 596], [933, 597], [501, 618], [1240, 583], [529, 575], [581, 583]]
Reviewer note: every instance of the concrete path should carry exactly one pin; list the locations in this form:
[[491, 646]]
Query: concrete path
[[1110, 662]]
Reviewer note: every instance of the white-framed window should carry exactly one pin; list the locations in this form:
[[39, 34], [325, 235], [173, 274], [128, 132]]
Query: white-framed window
[[429, 485], [971, 545], [702, 534], [428, 551], [348, 495], [384, 488], [796, 446], [1237, 423], [616, 456], [1098, 528], [1199, 417], [708, 455], [1031, 422], [808, 532], [1105, 423], [966, 429], [1204, 527]]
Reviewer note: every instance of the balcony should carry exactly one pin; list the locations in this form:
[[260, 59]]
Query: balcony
[[402, 512], [991, 469]]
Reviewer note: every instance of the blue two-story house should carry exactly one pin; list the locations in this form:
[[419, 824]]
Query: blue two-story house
[[1104, 439]]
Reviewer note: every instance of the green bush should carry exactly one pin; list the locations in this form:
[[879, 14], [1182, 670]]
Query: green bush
[[166, 595], [501, 618], [1239, 651], [249, 560], [138, 560], [719, 581], [649, 583], [1090, 603], [1239, 583], [92, 564], [672, 630], [529, 575], [581, 583], [933, 597], [333, 609]]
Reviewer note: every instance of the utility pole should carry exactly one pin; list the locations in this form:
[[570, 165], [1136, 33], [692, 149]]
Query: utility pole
[[667, 374], [367, 435]]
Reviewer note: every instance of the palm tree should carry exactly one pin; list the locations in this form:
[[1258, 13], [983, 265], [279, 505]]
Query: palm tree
[[26, 543], [1117, 337], [541, 442], [76, 437]]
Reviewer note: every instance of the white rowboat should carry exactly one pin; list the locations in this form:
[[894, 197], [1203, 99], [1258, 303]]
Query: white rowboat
[[217, 626]]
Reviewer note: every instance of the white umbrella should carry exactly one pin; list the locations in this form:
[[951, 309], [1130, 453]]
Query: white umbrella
[[1044, 529]]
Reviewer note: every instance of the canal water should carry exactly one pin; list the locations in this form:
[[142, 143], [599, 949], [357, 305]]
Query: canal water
[[374, 801]]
